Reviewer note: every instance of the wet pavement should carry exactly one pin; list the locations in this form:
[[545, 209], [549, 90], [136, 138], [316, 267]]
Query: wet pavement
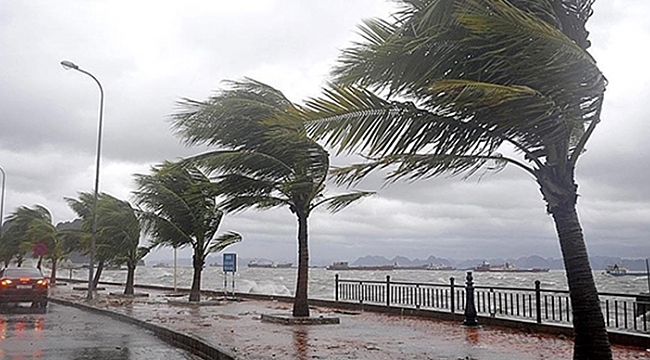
[[69, 333], [236, 326]]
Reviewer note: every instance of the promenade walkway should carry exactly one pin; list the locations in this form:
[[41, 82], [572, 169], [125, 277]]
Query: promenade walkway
[[236, 326]]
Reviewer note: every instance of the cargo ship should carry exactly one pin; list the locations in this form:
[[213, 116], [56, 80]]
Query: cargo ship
[[273, 265], [507, 267], [343, 265]]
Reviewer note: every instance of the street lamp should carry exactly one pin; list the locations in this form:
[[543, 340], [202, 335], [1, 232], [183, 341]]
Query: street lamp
[[69, 65], [2, 198]]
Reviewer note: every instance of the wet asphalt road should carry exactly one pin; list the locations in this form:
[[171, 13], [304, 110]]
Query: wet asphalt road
[[69, 333]]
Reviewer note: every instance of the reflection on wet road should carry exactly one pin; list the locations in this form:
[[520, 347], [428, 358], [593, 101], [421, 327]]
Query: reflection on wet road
[[68, 333], [300, 341]]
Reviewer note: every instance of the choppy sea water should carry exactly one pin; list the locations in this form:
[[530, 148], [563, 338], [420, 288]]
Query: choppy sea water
[[274, 281]]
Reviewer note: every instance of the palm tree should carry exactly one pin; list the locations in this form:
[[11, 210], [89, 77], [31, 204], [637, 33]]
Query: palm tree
[[31, 226], [181, 210], [464, 82], [268, 160], [118, 222], [107, 249], [10, 247]]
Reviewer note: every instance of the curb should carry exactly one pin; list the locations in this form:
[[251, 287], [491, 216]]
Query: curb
[[615, 336], [186, 342]]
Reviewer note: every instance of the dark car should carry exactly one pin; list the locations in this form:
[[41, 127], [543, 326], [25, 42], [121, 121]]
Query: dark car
[[24, 285]]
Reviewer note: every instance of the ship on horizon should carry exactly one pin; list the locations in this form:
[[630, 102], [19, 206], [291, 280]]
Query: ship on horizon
[[621, 270], [507, 267], [343, 265], [272, 265]]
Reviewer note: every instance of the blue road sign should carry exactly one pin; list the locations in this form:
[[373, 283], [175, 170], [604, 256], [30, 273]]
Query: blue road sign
[[230, 262]]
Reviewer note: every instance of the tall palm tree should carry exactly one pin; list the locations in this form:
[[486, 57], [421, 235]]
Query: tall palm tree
[[267, 160], [462, 82], [31, 226], [181, 210]]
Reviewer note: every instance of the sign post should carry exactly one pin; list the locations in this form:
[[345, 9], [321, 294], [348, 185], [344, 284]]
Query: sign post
[[229, 266]]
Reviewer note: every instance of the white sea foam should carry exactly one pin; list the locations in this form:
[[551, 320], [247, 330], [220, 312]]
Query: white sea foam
[[321, 281]]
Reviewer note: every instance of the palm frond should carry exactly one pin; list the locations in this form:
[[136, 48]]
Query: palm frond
[[518, 113], [261, 202], [357, 120], [339, 202], [223, 241], [573, 15], [232, 118], [251, 163]]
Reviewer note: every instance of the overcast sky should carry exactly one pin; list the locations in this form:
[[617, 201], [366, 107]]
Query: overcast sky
[[149, 54]]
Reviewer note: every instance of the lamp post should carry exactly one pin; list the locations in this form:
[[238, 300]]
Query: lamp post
[[69, 65], [2, 199]]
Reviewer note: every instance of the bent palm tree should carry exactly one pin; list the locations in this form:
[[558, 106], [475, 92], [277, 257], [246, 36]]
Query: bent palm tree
[[118, 222], [31, 226], [181, 210], [268, 162], [105, 251], [10, 247], [463, 80]]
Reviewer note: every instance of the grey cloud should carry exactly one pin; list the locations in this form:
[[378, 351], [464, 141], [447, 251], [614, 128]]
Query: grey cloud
[[150, 54]]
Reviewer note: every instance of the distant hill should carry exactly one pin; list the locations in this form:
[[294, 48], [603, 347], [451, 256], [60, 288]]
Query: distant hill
[[399, 260], [532, 261]]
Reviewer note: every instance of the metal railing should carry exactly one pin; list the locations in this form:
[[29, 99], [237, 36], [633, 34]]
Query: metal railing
[[621, 311]]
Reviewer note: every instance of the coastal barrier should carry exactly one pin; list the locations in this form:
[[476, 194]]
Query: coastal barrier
[[408, 307], [622, 312]]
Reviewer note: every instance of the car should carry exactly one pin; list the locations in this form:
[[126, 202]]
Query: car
[[19, 285]]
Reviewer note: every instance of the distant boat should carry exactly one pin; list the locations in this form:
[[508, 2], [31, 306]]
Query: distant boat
[[273, 265], [621, 270], [507, 267], [438, 267], [343, 265], [411, 267]]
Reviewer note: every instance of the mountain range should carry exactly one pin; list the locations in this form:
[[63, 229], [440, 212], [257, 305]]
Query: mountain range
[[532, 261]]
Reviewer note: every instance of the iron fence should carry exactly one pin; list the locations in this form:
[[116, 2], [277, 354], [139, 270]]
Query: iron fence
[[621, 311]]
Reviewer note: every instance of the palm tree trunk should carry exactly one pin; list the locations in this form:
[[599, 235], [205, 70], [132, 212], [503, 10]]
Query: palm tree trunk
[[53, 274], [195, 292], [98, 273], [300, 301], [591, 340], [130, 278]]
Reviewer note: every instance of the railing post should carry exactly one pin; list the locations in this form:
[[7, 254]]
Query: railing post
[[336, 287], [470, 308], [452, 288], [387, 290], [361, 292], [538, 301]]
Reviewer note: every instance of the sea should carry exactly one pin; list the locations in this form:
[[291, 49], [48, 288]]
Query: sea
[[282, 281]]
